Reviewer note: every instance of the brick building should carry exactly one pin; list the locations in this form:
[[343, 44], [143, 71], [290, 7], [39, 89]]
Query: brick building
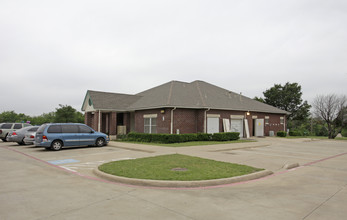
[[179, 107]]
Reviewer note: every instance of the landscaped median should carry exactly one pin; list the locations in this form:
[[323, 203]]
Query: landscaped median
[[176, 170]]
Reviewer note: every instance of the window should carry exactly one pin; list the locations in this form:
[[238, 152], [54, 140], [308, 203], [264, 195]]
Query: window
[[33, 129], [17, 126], [54, 129], [69, 128], [6, 126], [282, 120], [85, 129], [267, 119], [150, 124]]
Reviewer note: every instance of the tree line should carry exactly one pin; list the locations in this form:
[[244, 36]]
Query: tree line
[[327, 118], [63, 114]]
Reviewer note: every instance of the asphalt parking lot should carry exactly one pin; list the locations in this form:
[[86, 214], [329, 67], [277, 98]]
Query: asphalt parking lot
[[40, 184]]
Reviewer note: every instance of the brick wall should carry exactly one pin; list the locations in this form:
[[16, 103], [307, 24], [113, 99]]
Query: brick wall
[[192, 120]]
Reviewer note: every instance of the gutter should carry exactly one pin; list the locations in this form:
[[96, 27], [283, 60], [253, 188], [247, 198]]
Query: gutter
[[205, 120]]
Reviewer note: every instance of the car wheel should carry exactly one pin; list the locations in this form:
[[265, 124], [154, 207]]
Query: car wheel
[[100, 142], [22, 142], [56, 145], [4, 140]]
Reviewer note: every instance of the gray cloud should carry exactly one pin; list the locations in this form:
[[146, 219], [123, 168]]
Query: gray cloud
[[54, 51]]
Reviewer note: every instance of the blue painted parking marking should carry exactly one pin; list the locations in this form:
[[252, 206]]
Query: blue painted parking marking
[[58, 162]]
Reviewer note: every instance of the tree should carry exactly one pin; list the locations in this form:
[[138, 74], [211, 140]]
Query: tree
[[330, 108], [44, 118], [68, 114], [8, 116], [288, 98]]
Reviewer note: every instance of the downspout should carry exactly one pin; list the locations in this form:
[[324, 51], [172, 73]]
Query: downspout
[[205, 120], [99, 122], [171, 124]]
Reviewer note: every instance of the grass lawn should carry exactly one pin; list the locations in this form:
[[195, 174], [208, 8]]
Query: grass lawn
[[316, 137], [175, 167], [192, 143]]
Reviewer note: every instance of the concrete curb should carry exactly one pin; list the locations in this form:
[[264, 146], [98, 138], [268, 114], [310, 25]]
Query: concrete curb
[[181, 184]]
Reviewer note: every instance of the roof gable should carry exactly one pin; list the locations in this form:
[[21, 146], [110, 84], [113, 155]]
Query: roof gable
[[108, 101]]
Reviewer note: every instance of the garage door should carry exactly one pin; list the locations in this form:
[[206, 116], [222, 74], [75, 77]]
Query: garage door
[[212, 125], [237, 126]]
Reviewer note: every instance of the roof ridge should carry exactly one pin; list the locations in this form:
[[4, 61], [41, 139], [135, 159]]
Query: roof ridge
[[114, 93], [170, 93], [199, 90]]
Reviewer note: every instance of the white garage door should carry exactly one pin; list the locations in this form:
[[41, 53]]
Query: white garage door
[[212, 125], [237, 126]]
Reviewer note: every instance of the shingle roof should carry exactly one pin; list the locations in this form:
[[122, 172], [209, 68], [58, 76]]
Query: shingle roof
[[196, 95], [111, 101]]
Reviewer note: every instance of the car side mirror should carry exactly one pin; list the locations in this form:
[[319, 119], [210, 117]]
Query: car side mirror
[[92, 132]]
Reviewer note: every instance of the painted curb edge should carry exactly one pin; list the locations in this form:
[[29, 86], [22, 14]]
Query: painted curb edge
[[181, 184]]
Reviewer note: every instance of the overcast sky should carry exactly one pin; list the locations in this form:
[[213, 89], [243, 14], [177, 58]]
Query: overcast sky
[[52, 52]]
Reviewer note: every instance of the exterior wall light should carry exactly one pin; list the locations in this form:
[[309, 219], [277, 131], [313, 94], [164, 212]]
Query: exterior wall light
[[248, 113]]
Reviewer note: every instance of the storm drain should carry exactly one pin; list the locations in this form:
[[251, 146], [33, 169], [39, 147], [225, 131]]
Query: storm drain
[[179, 169]]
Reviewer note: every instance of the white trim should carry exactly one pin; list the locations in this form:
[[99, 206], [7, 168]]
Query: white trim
[[254, 117], [237, 116], [213, 115], [150, 116]]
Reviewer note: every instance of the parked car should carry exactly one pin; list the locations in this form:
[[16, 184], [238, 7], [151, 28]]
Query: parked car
[[30, 137], [57, 135], [5, 128], [19, 135]]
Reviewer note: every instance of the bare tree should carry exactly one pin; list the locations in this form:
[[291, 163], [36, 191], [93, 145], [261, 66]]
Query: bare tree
[[329, 108]]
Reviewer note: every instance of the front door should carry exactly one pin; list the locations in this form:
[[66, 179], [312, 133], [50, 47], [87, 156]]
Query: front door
[[258, 127]]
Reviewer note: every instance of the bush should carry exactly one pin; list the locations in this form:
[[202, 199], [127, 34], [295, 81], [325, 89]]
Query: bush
[[204, 137], [179, 138], [227, 136], [344, 132], [281, 134]]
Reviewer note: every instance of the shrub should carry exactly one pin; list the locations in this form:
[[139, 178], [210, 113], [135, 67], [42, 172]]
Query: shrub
[[204, 137], [281, 134], [344, 132], [227, 136], [179, 138]]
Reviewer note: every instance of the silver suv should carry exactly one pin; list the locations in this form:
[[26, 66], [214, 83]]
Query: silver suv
[[5, 128]]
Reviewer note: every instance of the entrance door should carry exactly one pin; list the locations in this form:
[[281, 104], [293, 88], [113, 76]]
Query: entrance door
[[237, 126], [258, 127], [212, 125]]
